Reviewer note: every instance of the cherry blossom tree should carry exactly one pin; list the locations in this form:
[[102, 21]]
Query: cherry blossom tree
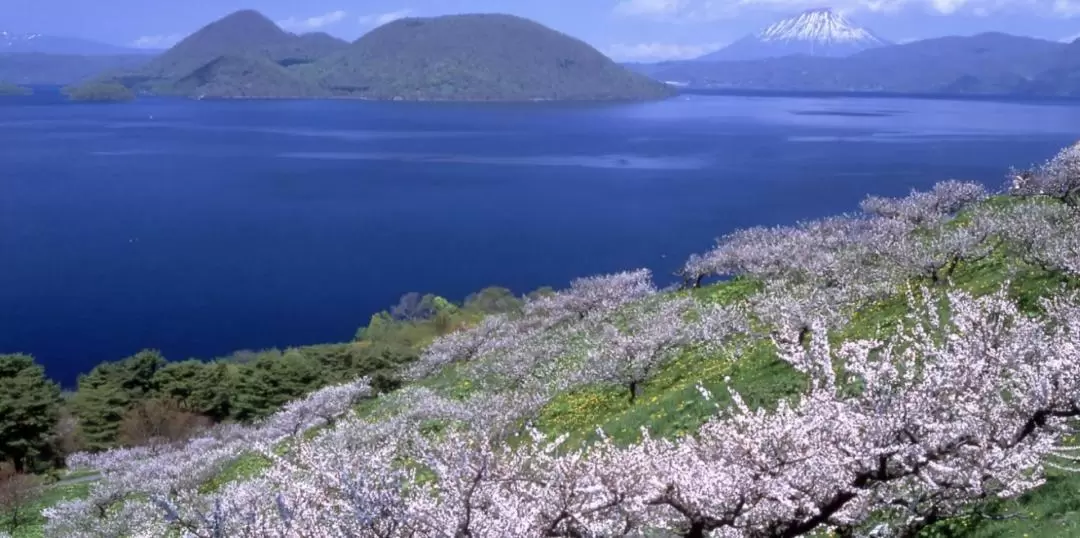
[[936, 254], [18, 492], [1043, 234], [593, 296], [788, 309], [630, 350], [319, 408], [535, 362], [184, 467], [1057, 178], [460, 346], [831, 252], [944, 200]]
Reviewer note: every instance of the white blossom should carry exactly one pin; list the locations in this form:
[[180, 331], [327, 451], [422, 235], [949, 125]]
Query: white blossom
[[1058, 178]]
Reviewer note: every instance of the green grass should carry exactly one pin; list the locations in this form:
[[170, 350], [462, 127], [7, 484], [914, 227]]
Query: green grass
[[728, 292], [75, 475], [246, 466], [52, 495], [670, 403], [1050, 511]]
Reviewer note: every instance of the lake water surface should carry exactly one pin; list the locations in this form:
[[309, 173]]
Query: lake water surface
[[199, 228]]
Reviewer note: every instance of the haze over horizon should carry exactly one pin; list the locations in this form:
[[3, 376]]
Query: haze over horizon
[[627, 30]]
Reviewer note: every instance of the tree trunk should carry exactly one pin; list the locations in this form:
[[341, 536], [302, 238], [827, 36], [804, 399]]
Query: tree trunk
[[696, 530], [951, 267], [804, 336]]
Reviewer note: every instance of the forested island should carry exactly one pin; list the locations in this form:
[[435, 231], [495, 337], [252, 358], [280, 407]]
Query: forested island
[[7, 89], [906, 370], [484, 57], [101, 92]]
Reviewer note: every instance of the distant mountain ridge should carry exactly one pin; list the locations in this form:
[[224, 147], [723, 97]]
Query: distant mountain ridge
[[12, 42], [455, 57], [815, 32], [62, 69], [991, 63], [241, 55], [244, 32]]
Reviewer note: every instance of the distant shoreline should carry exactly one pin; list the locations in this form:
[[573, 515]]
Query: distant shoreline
[[1014, 98], [681, 91], [43, 90]]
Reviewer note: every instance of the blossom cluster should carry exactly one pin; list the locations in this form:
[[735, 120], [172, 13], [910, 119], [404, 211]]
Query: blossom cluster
[[1058, 178], [128, 473], [865, 254], [937, 423]]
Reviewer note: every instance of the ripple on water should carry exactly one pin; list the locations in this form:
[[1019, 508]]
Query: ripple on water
[[636, 162], [125, 152], [899, 137]]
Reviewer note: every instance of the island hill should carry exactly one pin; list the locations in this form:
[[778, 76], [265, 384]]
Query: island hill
[[481, 57], [11, 90]]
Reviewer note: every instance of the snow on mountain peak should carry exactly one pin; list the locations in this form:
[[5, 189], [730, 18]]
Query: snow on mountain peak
[[821, 25], [10, 38], [816, 32]]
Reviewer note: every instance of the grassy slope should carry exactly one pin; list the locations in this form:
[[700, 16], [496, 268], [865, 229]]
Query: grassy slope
[[52, 496], [670, 404]]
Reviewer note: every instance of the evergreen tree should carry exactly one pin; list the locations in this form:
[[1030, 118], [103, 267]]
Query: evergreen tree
[[99, 405], [109, 390], [273, 380], [29, 411], [199, 387]]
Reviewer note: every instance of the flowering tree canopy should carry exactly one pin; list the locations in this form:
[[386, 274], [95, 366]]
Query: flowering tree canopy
[[965, 398], [1058, 178], [935, 423]]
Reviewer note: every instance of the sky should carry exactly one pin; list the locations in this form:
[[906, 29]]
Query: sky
[[626, 30]]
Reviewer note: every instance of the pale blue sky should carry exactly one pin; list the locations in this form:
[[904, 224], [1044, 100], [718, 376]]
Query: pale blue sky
[[624, 29]]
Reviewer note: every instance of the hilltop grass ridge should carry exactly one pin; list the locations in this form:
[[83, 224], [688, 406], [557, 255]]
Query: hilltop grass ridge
[[908, 370], [472, 57]]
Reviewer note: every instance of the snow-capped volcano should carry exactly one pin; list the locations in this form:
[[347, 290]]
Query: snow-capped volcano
[[817, 32]]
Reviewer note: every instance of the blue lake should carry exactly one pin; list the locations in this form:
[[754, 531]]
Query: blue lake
[[199, 228]]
